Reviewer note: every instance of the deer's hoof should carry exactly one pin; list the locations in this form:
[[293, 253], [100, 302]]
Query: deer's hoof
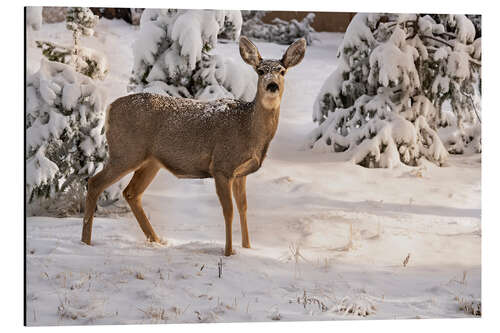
[[246, 245], [156, 239], [229, 252], [159, 241], [86, 242], [86, 237]]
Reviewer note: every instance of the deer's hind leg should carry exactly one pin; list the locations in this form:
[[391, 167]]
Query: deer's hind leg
[[240, 196], [96, 185], [133, 194]]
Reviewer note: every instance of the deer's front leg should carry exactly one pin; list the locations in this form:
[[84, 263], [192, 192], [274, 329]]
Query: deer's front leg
[[240, 196], [223, 186]]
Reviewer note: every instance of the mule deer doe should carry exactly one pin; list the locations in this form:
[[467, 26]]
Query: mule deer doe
[[225, 139]]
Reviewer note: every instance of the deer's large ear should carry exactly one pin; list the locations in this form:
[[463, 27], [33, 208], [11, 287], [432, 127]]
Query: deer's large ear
[[249, 52], [294, 54]]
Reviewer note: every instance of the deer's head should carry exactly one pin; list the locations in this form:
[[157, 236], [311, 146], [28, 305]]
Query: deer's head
[[271, 72]]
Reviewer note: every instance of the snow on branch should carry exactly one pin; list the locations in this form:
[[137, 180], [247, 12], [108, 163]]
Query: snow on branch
[[172, 55], [279, 31], [81, 22], [407, 87]]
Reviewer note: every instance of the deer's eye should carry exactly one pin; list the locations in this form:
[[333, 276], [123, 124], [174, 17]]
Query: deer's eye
[[282, 72], [260, 72]]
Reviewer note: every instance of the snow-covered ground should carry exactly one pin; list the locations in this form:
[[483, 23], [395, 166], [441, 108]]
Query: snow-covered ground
[[302, 206]]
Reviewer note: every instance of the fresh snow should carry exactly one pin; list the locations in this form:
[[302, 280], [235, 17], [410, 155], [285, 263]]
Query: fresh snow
[[34, 17], [305, 263]]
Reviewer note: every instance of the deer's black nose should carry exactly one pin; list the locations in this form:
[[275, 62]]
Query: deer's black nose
[[272, 87]]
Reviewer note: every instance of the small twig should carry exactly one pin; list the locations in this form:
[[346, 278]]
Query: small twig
[[296, 253], [306, 300], [407, 259], [220, 267]]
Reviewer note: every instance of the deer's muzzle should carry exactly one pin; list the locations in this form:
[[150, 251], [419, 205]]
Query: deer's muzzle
[[272, 87]]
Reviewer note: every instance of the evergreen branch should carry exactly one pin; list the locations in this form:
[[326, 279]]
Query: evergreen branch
[[404, 24], [473, 105], [411, 23], [437, 40], [474, 61], [412, 36], [68, 181], [447, 34]]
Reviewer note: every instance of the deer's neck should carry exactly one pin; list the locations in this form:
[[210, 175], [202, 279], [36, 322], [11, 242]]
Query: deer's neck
[[266, 117]]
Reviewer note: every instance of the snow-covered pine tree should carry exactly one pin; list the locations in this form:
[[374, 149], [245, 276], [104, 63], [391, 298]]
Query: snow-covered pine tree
[[252, 23], [248, 15], [231, 27], [65, 142], [406, 88], [172, 56], [279, 31], [81, 22]]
